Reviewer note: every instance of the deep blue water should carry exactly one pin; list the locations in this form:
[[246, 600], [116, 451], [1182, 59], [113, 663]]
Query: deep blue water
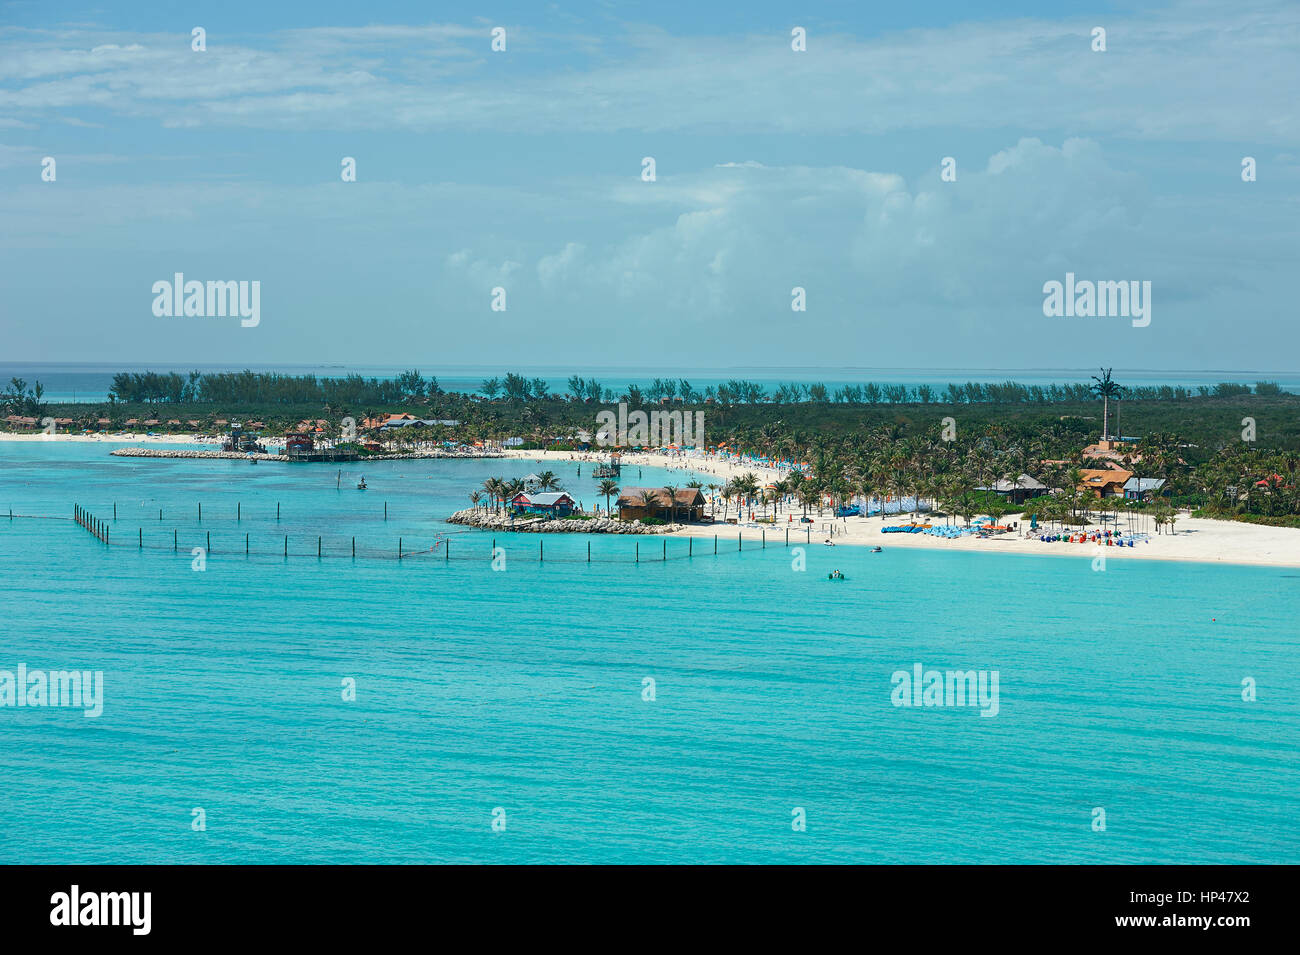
[[522, 689]]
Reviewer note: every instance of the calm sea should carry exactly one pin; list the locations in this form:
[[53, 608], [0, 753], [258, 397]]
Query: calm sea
[[66, 382], [521, 690]]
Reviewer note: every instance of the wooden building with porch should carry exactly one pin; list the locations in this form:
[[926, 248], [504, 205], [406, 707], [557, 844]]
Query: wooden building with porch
[[688, 506]]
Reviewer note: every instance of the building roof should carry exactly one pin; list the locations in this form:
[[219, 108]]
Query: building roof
[[1026, 483], [543, 499], [1102, 477], [1144, 484], [686, 496], [418, 422]]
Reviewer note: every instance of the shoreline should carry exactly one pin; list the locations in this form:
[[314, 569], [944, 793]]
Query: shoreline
[[1239, 542], [696, 463], [1195, 540]]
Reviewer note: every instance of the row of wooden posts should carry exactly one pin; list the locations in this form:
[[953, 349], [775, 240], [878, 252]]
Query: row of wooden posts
[[239, 511], [100, 529], [92, 523]]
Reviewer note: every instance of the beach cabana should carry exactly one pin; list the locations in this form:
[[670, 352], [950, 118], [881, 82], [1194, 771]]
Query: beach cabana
[[689, 504], [548, 503]]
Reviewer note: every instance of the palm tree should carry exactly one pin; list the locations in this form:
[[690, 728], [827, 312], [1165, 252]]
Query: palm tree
[[495, 488], [672, 500], [608, 488], [513, 488], [649, 500], [547, 481], [1105, 389]]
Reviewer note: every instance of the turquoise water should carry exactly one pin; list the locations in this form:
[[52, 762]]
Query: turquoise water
[[522, 689]]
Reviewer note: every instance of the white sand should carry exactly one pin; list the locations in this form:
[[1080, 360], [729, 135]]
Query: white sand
[[706, 466], [1194, 539]]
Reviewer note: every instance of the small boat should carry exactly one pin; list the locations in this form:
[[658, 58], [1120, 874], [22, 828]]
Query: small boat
[[876, 550], [361, 486], [836, 575]]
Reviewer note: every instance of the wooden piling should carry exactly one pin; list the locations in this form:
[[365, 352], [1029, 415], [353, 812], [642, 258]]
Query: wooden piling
[[245, 544], [239, 511], [638, 553], [740, 541], [318, 547], [589, 552], [200, 513], [142, 538], [399, 544], [354, 547], [175, 545], [277, 510], [209, 542], [115, 510], [541, 553], [715, 545], [286, 545], [665, 548]]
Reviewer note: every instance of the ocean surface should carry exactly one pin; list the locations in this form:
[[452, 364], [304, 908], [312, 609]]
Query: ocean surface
[[90, 382], [516, 695]]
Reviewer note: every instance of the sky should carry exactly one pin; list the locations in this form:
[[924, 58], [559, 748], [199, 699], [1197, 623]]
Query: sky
[[775, 169]]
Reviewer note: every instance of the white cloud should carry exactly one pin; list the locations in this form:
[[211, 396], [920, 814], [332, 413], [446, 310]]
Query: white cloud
[[1186, 71]]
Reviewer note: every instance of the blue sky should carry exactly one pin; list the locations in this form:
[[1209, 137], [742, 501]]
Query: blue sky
[[775, 169]]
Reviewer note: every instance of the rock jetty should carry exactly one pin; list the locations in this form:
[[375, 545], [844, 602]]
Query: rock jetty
[[178, 453]]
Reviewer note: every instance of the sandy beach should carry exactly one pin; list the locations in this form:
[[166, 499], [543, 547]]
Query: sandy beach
[[723, 469], [1194, 539]]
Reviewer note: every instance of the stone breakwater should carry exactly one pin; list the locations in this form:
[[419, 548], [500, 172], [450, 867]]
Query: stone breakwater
[[497, 521], [175, 453]]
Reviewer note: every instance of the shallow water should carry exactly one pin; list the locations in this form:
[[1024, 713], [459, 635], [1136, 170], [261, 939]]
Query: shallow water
[[522, 689]]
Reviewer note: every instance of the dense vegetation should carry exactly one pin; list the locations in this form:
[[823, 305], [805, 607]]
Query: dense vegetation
[[857, 439]]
